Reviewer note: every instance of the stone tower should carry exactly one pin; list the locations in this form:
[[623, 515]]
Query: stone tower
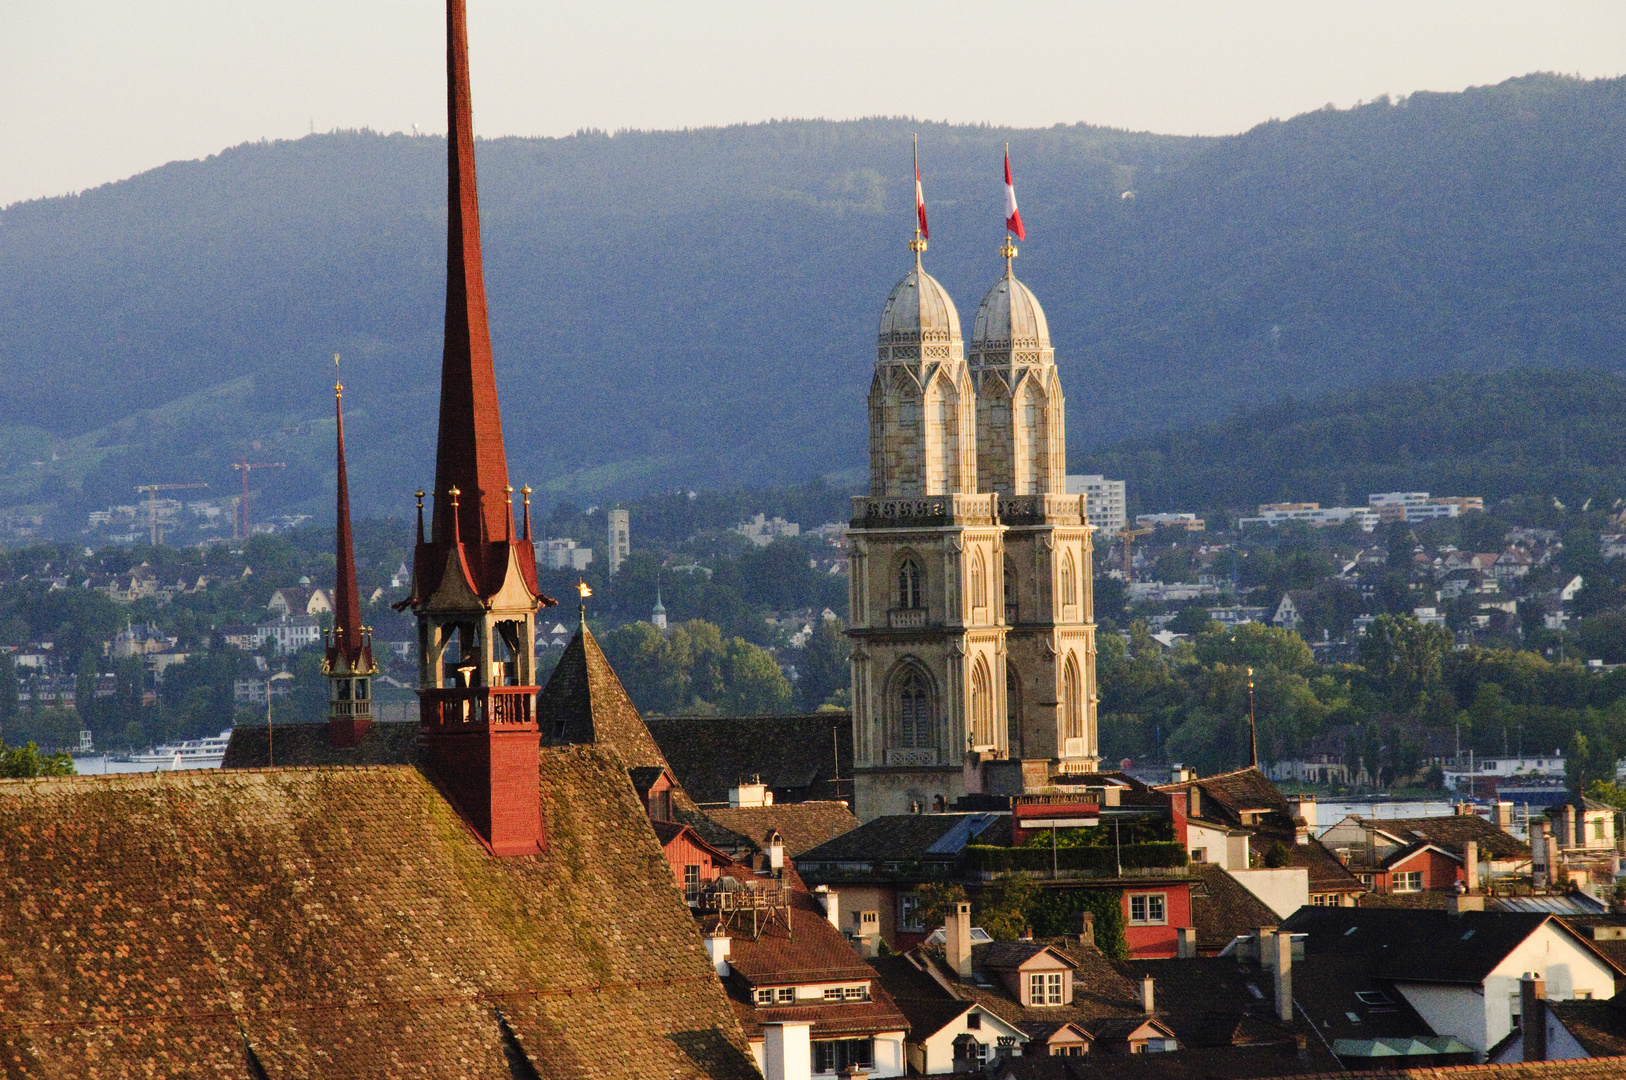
[[474, 587], [1048, 613], [348, 663], [928, 640]]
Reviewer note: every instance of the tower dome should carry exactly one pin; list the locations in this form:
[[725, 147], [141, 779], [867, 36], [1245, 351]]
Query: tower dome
[[1009, 318], [918, 311]]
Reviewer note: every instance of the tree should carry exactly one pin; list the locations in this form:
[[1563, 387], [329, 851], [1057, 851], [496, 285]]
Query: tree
[[937, 901], [822, 669], [1277, 856], [18, 762], [1404, 657], [1002, 908], [752, 681], [10, 695]]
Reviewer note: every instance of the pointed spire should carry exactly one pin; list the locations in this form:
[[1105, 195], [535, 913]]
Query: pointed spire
[[469, 454], [347, 633]]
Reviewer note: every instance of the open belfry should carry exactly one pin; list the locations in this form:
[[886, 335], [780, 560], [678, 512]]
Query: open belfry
[[348, 662], [973, 660]]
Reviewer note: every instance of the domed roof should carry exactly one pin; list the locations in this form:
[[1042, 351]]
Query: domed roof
[[919, 309], [1010, 318]]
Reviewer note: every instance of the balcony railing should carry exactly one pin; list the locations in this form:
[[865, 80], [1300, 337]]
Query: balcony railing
[[906, 618], [350, 708], [481, 706]]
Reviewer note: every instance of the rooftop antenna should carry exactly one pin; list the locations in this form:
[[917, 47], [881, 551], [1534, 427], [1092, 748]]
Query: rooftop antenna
[[1253, 727]]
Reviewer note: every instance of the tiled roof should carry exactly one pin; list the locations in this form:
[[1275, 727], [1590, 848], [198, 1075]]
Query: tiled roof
[[1599, 1026], [897, 837], [1100, 991], [810, 951], [1610, 1068], [1216, 1063], [253, 747], [1420, 946], [1207, 1001], [710, 754], [343, 922], [801, 825], [1221, 908], [584, 702], [924, 1003], [1452, 832]]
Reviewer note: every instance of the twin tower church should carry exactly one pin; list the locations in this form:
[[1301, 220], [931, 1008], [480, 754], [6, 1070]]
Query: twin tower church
[[972, 623]]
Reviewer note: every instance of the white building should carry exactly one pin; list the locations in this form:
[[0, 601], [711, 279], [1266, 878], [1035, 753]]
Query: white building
[[565, 554], [1507, 767], [1188, 522], [1274, 514], [1104, 501], [761, 529], [291, 633]]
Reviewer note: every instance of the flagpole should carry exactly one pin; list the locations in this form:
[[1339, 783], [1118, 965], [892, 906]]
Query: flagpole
[[915, 140]]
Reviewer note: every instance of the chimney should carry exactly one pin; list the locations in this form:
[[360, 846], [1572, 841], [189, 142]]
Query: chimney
[[1540, 869], [1267, 952], [1084, 927], [1146, 998], [1504, 816], [776, 853], [1179, 774], [1470, 866], [867, 933], [787, 1050], [1186, 943], [1282, 946], [1194, 801], [1554, 867], [957, 940], [1533, 1016], [1305, 805], [1569, 826], [717, 947], [1457, 903], [832, 904]]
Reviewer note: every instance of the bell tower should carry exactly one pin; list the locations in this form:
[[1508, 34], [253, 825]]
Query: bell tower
[[1048, 612], [474, 588], [348, 663], [928, 647]]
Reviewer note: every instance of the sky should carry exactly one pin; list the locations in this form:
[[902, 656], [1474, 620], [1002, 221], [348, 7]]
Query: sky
[[97, 90]]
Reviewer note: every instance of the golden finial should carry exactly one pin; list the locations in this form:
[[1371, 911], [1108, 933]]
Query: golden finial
[[508, 494], [338, 386], [1008, 251], [419, 493], [526, 491], [454, 493]]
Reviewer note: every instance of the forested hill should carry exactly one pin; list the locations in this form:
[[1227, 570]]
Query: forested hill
[[698, 307], [1538, 434]]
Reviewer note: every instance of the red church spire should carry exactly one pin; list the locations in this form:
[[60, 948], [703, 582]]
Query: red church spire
[[469, 454], [349, 661]]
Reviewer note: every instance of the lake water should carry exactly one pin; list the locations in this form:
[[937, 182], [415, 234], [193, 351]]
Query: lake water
[[98, 764], [1330, 813]]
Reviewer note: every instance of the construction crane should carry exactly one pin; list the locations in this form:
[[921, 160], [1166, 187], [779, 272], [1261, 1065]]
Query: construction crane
[[1128, 535], [152, 505], [245, 466]]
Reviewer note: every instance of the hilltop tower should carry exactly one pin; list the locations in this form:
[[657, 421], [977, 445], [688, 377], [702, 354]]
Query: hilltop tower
[[348, 664], [474, 587], [928, 645], [1046, 574]]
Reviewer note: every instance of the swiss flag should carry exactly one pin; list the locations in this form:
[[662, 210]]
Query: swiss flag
[[1013, 216], [920, 205]]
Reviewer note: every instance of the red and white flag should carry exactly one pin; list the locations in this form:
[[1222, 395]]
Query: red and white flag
[[920, 201], [1013, 216]]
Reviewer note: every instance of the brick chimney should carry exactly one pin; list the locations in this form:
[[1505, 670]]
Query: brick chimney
[[474, 587], [1533, 1016], [1147, 1001], [1470, 866], [1186, 942], [718, 948], [957, 940], [1282, 946]]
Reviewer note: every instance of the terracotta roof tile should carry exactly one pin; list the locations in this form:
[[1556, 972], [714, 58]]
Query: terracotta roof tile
[[798, 755], [801, 825]]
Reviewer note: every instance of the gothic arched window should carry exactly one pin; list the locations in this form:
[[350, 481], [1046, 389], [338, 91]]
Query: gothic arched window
[[911, 591], [979, 581], [1069, 580], [1011, 611], [982, 705], [914, 711], [1072, 699]]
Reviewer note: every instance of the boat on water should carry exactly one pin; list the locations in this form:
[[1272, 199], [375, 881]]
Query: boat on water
[[205, 753]]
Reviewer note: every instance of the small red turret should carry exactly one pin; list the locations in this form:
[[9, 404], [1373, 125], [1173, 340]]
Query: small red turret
[[349, 662]]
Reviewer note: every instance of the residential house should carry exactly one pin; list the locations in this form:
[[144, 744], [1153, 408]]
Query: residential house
[[1290, 612], [1236, 615], [300, 599], [1459, 971], [289, 633], [1415, 855]]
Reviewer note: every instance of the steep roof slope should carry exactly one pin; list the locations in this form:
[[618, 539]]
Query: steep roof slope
[[801, 825], [344, 923], [253, 746], [1452, 832], [584, 702]]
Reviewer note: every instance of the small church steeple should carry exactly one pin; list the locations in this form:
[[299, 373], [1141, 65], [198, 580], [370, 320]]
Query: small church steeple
[[349, 662]]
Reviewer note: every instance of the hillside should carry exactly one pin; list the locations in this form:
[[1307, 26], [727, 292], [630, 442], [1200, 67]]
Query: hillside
[[1502, 435], [696, 308]]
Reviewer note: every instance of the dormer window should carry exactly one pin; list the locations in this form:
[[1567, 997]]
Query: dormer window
[[1044, 988]]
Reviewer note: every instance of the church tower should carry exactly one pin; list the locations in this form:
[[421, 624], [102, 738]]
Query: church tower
[[1021, 455], [928, 644], [348, 664], [474, 587]]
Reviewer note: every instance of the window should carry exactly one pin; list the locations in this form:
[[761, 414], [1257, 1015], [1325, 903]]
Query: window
[[787, 994], [909, 912], [832, 993], [1044, 988], [691, 882], [1366, 879], [1069, 583], [910, 592], [1324, 899], [973, 1021], [914, 712], [979, 581], [1011, 607], [1199, 854], [982, 706], [1075, 1050], [1597, 829], [1148, 909], [833, 1055], [765, 997], [1072, 699], [1409, 881], [853, 993]]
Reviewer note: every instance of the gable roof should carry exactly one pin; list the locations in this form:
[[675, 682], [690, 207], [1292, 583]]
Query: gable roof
[[1451, 833], [799, 753], [1011, 955], [345, 922], [1222, 908], [584, 702], [904, 837], [253, 746], [801, 825], [1599, 1026]]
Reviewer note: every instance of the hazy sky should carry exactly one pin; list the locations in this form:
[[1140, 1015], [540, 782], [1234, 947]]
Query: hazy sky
[[96, 90]]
